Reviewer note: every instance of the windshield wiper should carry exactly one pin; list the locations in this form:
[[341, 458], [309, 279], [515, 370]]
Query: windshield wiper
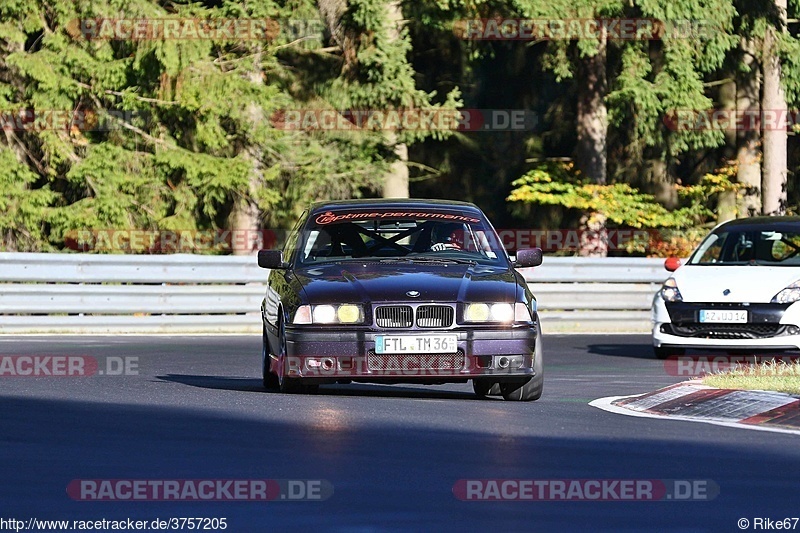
[[429, 260]]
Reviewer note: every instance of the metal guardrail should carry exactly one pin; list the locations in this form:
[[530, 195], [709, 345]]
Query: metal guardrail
[[181, 293]]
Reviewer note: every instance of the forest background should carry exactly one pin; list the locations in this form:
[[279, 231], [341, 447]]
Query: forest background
[[171, 118]]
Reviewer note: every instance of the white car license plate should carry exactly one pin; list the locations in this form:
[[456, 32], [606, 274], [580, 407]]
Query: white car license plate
[[416, 344], [722, 316]]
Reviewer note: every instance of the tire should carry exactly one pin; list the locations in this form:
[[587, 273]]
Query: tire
[[268, 379], [485, 387], [285, 384], [296, 386], [531, 389], [665, 352], [291, 386]]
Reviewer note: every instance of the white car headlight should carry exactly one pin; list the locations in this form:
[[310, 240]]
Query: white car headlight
[[329, 314], [670, 292], [493, 312], [788, 295]]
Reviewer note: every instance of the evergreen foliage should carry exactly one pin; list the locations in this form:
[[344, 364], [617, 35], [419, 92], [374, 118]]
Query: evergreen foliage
[[167, 134]]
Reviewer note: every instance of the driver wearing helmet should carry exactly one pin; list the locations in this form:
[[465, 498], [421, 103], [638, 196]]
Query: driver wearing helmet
[[447, 236]]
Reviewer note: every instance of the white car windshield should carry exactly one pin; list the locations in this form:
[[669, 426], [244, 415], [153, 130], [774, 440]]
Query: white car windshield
[[749, 247]]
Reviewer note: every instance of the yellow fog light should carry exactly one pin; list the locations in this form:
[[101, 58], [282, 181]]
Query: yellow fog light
[[476, 313], [349, 314]]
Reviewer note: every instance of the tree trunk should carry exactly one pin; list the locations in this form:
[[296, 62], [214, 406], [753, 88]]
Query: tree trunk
[[748, 155], [591, 152], [775, 136], [726, 201], [395, 182], [244, 220], [332, 11], [659, 183], [245, 235]]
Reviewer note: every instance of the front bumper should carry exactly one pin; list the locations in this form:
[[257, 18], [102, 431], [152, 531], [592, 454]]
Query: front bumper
[[334, 355], [769, 326]]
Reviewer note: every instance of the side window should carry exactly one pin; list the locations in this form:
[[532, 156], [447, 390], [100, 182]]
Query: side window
[[290, 247], [783, 247], [319, 244], [711, 249]]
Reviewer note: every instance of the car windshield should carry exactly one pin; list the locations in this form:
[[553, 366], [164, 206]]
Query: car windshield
[[445, 238], [749, 247]]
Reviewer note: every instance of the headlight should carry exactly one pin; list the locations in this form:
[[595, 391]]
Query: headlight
[[788, 295], [522, 313], [302, 315], [323, 314], [490, 312], [670, 292], [329, 314]]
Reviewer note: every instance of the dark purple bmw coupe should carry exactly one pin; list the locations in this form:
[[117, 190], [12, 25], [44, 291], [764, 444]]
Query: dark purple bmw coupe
[[400, 291]]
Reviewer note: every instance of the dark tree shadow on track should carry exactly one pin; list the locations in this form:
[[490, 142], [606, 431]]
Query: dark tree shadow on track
[[394, 391], [383, 473], [645, 351], [353, 389], [215, 382], [632, 350]]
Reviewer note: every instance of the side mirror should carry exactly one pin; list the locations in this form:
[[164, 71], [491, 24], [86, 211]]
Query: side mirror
[[528, 257], [672, 264], [271, 259]]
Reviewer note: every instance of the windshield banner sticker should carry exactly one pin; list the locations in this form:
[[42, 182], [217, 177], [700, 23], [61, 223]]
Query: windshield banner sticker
[[329, 217]]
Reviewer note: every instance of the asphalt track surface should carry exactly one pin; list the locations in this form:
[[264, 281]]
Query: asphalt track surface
[[393, 454]]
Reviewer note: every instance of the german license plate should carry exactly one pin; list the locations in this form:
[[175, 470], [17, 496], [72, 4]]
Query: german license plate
[[416, 344], [722, 316]]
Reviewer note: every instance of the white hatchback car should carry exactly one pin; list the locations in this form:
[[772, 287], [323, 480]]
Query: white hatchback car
[[740, 289]]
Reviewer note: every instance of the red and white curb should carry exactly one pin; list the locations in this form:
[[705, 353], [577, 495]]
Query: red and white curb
[[691, 401]]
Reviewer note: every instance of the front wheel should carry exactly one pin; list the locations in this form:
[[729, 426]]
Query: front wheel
[[484, 387], [530, 390], [286, 384], [268, 379]]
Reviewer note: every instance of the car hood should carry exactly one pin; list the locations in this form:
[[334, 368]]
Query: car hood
[[755, 284], [354, 282]]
